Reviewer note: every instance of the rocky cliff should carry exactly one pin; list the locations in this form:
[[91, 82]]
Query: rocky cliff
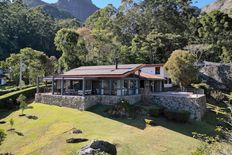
[[80, 9], [33, 3], [221, 5]]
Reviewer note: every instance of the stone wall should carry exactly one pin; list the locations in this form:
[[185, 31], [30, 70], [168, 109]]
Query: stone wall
[[78, 102], [111, 100], [83, 103], [195, 105]]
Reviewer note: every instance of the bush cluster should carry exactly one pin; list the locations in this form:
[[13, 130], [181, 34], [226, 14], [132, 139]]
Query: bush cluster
[[178, 116], [2, 136], [156, 111]]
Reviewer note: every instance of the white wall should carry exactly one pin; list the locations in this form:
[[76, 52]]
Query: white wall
[[2, 81], [163, 74]]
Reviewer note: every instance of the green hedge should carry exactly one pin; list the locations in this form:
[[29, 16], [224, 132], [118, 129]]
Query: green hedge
[[179, 116], [6, 91], [9, 100], [156, 111]]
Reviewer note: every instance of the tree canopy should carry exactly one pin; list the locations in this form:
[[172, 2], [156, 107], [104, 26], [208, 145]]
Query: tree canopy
[[181, 68]]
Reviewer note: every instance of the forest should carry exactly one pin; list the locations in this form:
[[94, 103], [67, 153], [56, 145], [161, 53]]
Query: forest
[[139, 31]]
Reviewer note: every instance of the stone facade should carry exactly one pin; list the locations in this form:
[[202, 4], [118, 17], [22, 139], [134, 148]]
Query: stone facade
[[195, 105], [83, 103]]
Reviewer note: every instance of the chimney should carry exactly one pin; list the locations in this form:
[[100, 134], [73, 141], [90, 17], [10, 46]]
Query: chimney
[[116, 63]]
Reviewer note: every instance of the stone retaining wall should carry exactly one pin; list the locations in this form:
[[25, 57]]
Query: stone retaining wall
[[195, 105], [83, 103]]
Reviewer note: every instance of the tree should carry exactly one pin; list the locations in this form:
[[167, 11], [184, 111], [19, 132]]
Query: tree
[[215, 29], [73, 48], [36, 64], [11, 123], [2, 136], [180, 67], [22, 100]]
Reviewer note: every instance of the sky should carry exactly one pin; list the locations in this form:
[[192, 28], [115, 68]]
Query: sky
[[116, 3]]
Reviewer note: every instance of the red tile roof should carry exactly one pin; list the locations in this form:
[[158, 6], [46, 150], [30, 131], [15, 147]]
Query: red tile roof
[[103, 71], [150, 76]]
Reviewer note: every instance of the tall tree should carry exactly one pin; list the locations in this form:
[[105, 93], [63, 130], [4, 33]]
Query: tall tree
[[181, 69]]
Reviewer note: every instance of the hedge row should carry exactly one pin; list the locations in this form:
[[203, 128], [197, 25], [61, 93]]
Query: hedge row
[[178, 116], [9, 100], [6, 91]]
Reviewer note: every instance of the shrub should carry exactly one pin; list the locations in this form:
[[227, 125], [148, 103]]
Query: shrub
[[156, 111], [22, 100], [124, 109], [218, 95], [179, 116], [2, 136], [150, 122], [11, 122]]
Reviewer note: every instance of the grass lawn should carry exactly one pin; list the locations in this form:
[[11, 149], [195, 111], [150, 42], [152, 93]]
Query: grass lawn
[[48, 133]]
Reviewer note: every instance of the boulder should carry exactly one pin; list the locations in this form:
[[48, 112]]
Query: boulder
[[217, 75], [76, 140], [98, 147], [76, 131]]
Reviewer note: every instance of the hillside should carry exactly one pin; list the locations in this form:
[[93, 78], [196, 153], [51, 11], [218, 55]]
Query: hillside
[[221, 5], [33, 3], [55, 12], [80, 9]]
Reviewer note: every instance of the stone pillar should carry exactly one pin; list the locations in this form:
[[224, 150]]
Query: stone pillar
[[52, 85], [161, 87], [83, 86], [62, 86], [122, 86], [110, 87], [37, 85], [102, 87], [137, 87]]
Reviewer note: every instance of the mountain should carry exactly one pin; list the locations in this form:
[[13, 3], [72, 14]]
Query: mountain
[[80, 9], [55, 12], [33, 3], [221, 5]]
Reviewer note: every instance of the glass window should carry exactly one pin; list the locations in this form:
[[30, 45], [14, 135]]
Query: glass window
[[157, 70]]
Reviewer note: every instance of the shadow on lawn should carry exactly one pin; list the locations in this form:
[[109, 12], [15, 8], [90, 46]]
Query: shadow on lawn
[[206, 126], [6, 112], [138, 122]]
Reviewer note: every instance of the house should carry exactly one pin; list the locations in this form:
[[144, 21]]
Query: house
[[86, 86], [116, 80], [2, 77]]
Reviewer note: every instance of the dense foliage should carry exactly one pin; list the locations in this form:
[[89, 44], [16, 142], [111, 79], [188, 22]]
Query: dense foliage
[[33, 64], [2, 136], [28, 27], [180, 67], [139, 31]]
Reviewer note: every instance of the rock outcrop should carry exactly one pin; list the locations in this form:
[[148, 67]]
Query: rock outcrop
[[80, 9], [217, 75], [97, 147], [221, 5], [34, 3]]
